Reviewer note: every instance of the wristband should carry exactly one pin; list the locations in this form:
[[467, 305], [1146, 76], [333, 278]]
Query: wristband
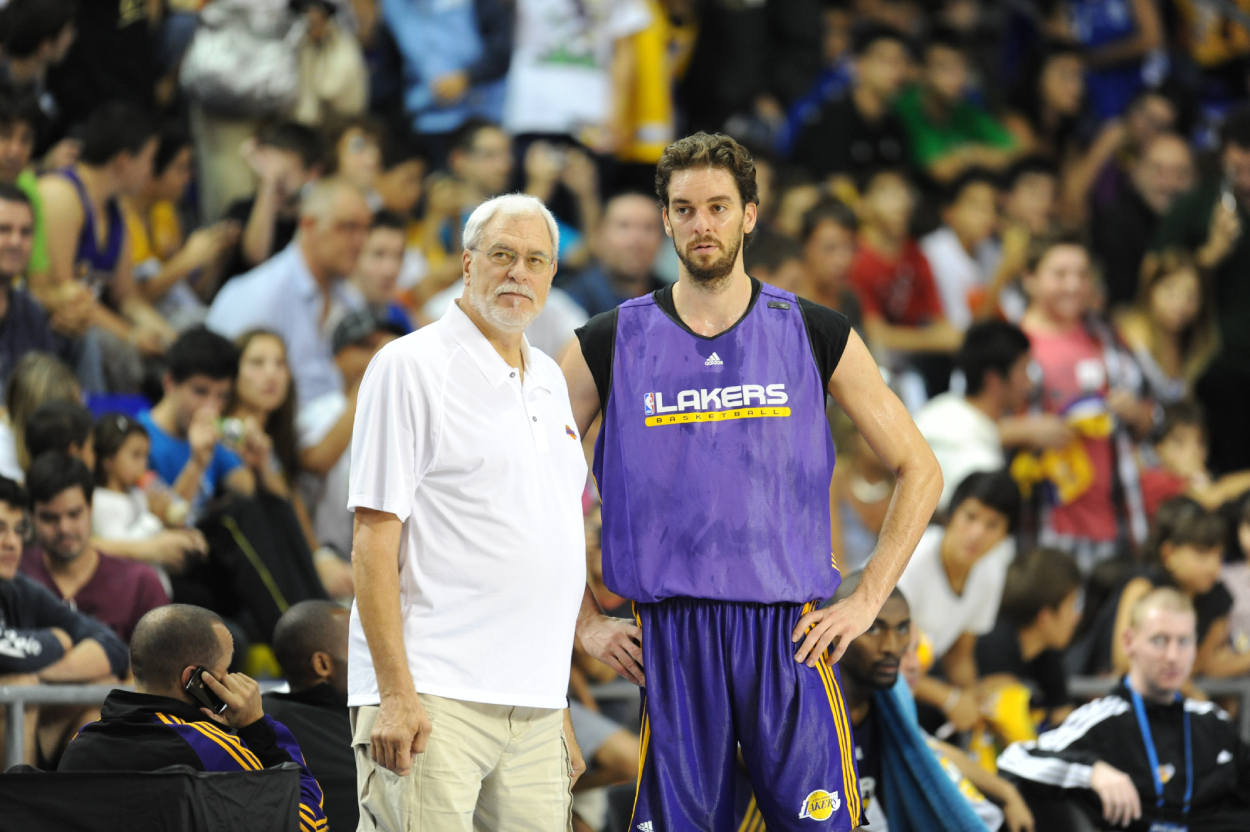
[[952, 700]]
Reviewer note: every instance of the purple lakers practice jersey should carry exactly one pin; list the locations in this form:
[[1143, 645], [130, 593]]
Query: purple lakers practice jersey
[[715, 458]]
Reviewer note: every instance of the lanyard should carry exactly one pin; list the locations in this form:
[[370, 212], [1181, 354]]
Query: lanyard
[[1152, 756]]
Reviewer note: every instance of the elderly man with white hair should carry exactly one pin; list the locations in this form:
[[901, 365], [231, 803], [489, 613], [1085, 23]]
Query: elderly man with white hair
[[468, 554]]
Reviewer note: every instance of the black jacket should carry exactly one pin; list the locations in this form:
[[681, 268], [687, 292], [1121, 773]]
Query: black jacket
[[1106, 730], [28, 612], [142, 732], [319, 720]]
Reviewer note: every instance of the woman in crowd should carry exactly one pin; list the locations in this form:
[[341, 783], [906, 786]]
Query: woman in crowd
[[37, 378], [264, 391], [176, 273], [1171, 330]]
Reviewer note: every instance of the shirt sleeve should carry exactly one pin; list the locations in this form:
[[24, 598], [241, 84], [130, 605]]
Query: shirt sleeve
[[598, 342], [627, 17], [394, 436], [827, 330], [28, 650], [273, 745]]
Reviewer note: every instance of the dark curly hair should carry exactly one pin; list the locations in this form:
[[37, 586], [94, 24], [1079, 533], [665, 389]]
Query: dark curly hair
[[707, 150]]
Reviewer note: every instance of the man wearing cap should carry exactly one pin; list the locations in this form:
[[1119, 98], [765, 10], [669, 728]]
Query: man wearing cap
[[469, 554]]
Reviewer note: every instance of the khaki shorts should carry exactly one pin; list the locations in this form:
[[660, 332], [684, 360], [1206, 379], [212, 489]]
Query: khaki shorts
[[486, 767]]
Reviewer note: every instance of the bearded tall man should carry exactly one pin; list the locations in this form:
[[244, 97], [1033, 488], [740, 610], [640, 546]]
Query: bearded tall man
[[469, 554], [715, 462]]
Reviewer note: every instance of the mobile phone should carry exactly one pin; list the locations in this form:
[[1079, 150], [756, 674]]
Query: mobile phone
[[202, 693]]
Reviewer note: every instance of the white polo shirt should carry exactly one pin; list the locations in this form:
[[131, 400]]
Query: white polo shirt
[[486, 471]]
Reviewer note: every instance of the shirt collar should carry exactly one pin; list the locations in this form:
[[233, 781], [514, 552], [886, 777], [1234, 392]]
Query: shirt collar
[[490, 362]]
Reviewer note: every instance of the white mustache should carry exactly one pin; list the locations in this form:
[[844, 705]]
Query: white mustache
[[511, 286]]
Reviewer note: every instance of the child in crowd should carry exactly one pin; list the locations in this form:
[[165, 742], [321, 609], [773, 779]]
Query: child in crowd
[[284, 157], [1087, 377], [1038, 616], [1172, 329], [1030, 211], [1236, 577], [175, 272], [1185, 552], [962, 252], [955, 581], [776, 260], [1181, 451], [901, 306], [119, 508], [62, 426], [828, 239], [377, 270]]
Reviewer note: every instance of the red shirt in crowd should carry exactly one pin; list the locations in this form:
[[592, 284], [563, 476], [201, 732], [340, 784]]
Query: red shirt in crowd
[[1158, 485], [1073, 368], [901, 291], [119, 593]]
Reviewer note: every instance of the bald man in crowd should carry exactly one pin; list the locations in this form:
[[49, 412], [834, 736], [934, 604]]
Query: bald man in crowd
[[300, 293], [1145, 757], [310, 643]]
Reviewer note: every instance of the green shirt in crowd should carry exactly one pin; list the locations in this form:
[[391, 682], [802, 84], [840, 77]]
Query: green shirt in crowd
[[965, 124], [28, 183]]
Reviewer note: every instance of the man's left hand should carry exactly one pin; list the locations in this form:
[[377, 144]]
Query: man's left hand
[[837, 625], [242, 697]]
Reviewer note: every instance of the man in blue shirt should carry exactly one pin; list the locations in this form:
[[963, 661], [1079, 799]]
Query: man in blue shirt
[[184, 427], [301, 292]]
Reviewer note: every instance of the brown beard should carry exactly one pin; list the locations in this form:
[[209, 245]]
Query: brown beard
[[715, 272]]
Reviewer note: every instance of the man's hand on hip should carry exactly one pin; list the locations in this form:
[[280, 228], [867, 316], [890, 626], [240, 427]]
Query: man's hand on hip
[[402, 728], [1121, 804], [615, 642], [837, 625]]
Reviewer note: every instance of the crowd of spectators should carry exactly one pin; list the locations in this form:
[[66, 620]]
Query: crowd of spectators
[[213, 213]]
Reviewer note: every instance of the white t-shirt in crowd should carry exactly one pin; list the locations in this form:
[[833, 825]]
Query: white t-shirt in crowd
[[486, 471], [935, 608], [117, 515], [558, 81], [551, 331], [956, 272], [963, 439]]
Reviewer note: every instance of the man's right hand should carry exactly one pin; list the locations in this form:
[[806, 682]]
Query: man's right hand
[[1120, 803], [203, 435], [402, 728]]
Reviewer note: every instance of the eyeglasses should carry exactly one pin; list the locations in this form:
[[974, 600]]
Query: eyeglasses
[[505, 258]]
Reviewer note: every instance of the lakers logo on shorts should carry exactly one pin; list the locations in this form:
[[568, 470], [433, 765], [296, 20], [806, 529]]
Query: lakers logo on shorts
[[820, 805]]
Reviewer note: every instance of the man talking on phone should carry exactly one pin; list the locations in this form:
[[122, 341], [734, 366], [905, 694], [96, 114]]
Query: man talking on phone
[[187, 709]]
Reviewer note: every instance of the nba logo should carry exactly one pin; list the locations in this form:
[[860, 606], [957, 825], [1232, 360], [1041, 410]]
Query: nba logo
[[648, 404]]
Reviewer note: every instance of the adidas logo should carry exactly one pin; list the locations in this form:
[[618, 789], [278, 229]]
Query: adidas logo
[[646, 826], [713, 360]]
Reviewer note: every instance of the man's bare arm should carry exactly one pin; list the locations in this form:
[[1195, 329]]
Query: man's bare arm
[[583, 394], [889, 430], [402, 727]]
